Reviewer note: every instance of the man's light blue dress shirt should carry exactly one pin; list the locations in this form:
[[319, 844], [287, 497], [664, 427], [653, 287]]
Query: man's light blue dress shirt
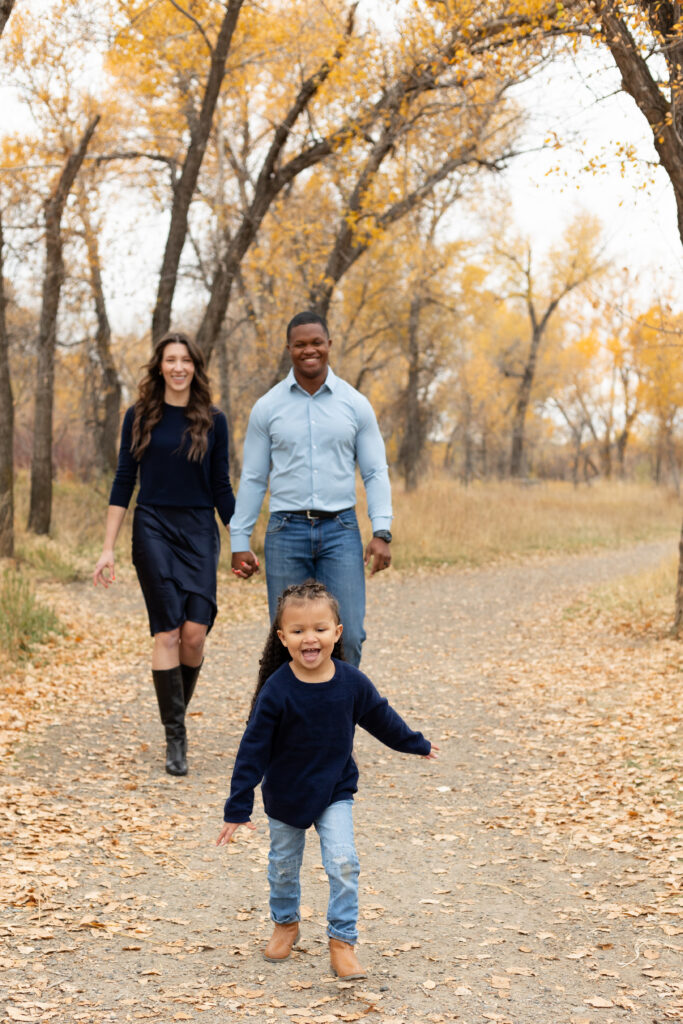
[[308, 445]]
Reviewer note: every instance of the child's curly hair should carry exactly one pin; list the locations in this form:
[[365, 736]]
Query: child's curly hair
[[274, 651]]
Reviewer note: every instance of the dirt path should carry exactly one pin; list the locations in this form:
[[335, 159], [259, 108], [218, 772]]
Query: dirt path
[[497, 883]]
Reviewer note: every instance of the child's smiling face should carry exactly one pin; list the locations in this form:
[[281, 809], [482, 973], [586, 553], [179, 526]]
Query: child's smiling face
[[309, 631]]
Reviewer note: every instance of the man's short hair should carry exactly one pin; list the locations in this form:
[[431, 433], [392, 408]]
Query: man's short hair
[[307, 317]]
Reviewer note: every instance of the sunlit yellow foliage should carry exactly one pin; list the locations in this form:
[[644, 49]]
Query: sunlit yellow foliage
[[657, 341]]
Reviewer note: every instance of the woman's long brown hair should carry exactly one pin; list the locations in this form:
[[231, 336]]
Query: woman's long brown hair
[[149, 407], [274, 652]]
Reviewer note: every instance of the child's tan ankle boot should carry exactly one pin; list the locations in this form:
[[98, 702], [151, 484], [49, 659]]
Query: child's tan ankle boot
[[281, 941], [344, 962]]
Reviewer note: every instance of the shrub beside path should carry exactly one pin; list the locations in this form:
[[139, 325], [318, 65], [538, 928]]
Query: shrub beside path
[[531, 875]]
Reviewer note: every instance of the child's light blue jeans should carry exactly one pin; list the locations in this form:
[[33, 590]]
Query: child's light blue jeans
[[340, 860]]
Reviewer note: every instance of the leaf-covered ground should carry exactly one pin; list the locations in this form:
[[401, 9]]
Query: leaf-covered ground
[[532, 875]]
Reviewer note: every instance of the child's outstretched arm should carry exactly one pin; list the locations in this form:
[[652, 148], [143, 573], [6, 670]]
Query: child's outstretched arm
[[386, 725], [229, 829], [250, 766]]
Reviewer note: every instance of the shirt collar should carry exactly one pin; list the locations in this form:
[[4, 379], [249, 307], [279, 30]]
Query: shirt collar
[[330, 382]]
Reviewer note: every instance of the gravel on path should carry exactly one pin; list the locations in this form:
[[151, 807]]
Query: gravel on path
[[467, 912]]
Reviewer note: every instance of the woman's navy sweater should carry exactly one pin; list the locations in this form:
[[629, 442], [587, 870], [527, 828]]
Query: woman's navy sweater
[[167, 477], [299, 741]]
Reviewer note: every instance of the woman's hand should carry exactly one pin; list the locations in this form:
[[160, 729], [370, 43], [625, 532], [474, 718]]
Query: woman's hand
[[245, 564], [431, 756], [229, 829], [104, 570]]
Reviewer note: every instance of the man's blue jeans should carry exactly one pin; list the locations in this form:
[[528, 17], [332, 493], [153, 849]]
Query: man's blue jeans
[[340, 860], [327, 550]]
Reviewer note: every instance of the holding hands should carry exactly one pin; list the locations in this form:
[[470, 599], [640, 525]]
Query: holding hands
[[245, 564]]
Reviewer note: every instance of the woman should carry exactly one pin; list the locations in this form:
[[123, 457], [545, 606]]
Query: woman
[[179, 443]]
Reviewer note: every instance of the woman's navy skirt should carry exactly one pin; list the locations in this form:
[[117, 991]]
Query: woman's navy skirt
[[175, 554]]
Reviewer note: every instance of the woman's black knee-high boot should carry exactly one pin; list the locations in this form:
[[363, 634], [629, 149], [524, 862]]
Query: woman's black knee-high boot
[[168, 683], [190, 674]]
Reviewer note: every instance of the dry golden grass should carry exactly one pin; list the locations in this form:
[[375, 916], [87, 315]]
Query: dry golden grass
[[76, 535], [444, 523], [642, 603]]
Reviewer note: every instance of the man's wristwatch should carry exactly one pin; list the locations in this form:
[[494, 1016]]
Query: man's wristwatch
[[384, 535]]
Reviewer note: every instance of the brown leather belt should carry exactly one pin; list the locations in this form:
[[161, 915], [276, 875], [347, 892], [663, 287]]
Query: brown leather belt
[[315, 513]]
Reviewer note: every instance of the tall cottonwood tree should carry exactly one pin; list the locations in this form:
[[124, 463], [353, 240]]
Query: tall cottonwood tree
[[157, 45], [108, 394], [570, 266], [200, 124], [427, 330], [40, 508], [51, 73], [642, 36]]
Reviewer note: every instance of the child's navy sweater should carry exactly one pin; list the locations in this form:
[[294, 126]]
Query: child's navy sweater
[[299, 741], [167, 477]]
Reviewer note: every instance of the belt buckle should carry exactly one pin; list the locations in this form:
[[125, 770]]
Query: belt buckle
[[310, 518]]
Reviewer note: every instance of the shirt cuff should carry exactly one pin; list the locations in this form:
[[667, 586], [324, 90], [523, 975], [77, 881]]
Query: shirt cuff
[[380, 523], [239, 542]]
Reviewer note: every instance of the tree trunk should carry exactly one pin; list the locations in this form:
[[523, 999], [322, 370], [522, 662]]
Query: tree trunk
[[6, 425], [468, 462], [522, 405], [414, 433], [673, 463], [638, 82], [622, 440], [657, 468], [5, 11], [185, 187], [40, 511], [606, 456], [108, 407], [662, 116], [224, 386]]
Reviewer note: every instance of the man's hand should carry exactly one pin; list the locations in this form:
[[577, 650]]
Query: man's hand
[[245, 564], [380, 552], [432, 755], [229, 829]]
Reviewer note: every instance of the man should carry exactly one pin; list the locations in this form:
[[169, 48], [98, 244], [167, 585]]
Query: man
[[305, 437]]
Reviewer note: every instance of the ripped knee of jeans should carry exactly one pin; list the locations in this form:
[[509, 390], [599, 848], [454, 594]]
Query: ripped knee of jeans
[[281, 869], [343, 863]]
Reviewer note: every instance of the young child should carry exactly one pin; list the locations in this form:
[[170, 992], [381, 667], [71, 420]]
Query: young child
[[299, 741]]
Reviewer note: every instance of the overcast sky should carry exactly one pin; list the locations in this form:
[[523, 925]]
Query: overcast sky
[[637, 207]]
